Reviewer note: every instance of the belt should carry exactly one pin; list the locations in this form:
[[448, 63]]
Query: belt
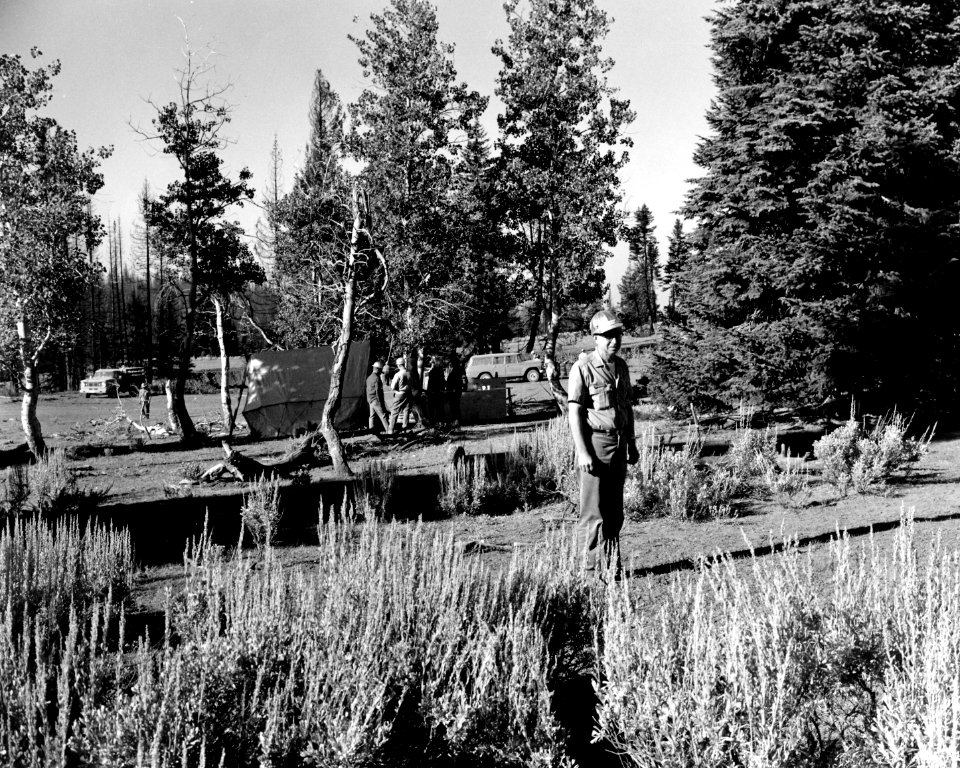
[[600, 431]]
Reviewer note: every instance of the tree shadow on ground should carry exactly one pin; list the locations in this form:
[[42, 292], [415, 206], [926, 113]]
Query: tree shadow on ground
[[689, 564]]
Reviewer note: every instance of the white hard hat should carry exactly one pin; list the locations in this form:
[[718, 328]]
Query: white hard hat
[[604, 321]]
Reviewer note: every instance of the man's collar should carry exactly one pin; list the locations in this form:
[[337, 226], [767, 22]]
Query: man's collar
[[597, 362]]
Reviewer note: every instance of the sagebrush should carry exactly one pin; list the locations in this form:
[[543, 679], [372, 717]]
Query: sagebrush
[[666, 482], [536, 467], [866, 460], [775, 662], [399, 650]]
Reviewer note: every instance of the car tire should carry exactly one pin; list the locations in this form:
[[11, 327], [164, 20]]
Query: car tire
[[87, 395], [484, 376], [532, 375]]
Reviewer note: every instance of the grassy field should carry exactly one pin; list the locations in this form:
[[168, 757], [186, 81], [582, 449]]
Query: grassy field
[[344, 645]]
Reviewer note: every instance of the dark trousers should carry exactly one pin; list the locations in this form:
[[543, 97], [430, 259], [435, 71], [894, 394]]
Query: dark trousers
[[435, 407], [453, 403], [601, 502]]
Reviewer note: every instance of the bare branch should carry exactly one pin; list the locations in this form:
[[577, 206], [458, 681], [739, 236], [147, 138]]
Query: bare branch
[[41, 345], [248, 316]]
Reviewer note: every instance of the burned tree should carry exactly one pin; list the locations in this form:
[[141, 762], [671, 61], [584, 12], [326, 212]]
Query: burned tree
[[360, 259]]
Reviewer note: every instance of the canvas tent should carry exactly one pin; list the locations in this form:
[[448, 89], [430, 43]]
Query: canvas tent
[[286, 390]]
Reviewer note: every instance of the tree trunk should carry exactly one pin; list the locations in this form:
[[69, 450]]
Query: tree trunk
[[342, 347], [550, 350], [149, 365], [534, 328], [172, 418], [163, 368], [226, 407], [648, 268], [188, 431], [550, 362], [31, 389], [537, 309], [121, 287]]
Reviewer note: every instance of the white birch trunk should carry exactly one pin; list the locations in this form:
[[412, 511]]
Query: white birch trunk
[[226, 407], [31, 389], [341, 350], [173, 418]]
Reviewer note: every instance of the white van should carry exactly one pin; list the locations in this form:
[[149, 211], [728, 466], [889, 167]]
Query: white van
[[505, 365]]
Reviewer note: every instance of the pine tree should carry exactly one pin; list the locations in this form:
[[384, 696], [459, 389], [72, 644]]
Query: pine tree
[[144, 251], [267, 233], [410, 126], [480, 252], [638, 296], [311, 225], [189, 216], [822, 264], [560, 150], [634, 306], [676, 261]]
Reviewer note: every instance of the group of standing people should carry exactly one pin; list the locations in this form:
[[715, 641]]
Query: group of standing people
[[600, 414], [431, 395]]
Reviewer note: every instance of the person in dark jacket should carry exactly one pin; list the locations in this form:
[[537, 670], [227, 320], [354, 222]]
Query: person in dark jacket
[[454, 387], [435, 387], [375, 402]]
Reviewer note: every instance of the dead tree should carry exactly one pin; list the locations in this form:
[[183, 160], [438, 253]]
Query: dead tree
[[360, 258], [361, 250]]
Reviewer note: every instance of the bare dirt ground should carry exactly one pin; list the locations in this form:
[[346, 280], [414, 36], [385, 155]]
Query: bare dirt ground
[[653, 548]]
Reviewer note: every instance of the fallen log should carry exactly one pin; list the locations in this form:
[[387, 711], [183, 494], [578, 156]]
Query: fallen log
[[244, 468]]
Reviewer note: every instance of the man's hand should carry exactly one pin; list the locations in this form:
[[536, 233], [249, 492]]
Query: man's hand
[[633, 455], [585, 462]]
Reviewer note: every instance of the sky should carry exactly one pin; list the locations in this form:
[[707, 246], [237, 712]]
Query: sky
[[119, 55]]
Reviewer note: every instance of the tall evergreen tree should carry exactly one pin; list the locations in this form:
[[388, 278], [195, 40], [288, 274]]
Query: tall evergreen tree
[[142, 237], [409, 128], [823, 261], [312, 226], [638, 297], [676, 260], [480, 252], [190, 215], [560, 149], [267, 231]]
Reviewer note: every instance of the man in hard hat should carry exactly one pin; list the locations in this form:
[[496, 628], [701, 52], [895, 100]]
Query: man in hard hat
[[601, 419], [404, 400], [378, 409]]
